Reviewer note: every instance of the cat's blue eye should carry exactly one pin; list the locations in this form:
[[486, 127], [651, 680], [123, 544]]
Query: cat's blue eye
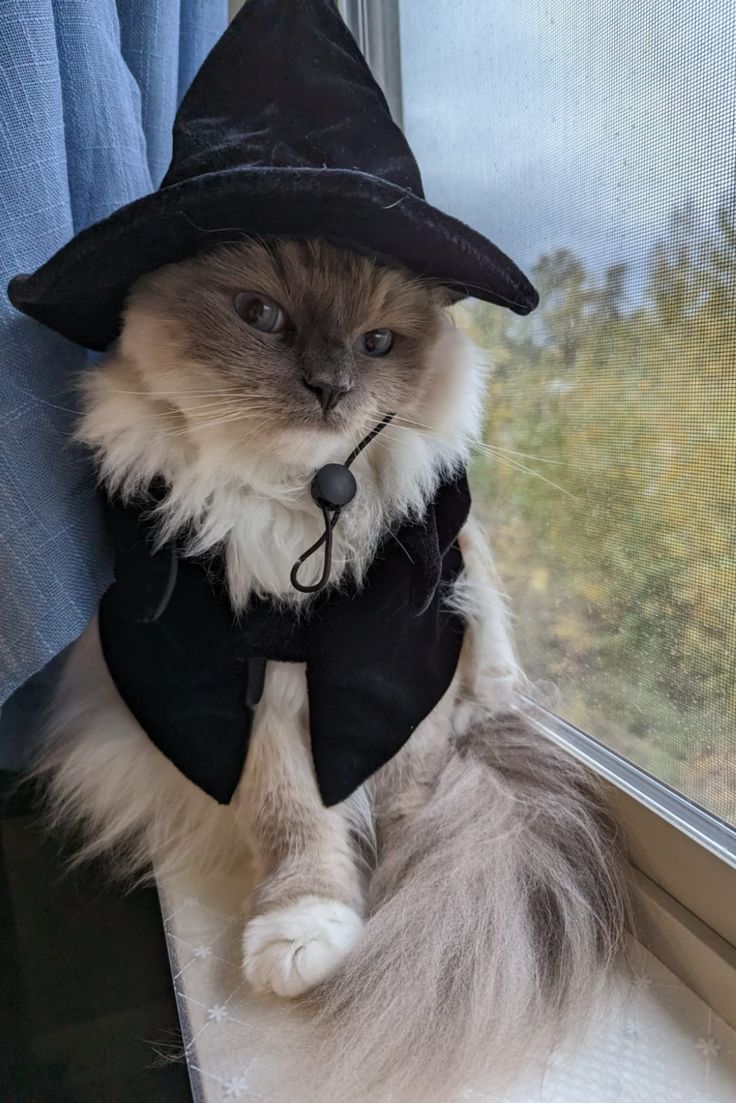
[[260, 312], [376, 342]]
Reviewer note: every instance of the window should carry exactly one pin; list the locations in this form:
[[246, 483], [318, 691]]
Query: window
[[596, 145]]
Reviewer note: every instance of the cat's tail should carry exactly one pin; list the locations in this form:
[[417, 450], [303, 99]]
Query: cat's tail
[[492, 925]]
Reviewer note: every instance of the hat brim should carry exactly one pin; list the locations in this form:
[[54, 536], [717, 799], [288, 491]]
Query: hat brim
[[80, 292]]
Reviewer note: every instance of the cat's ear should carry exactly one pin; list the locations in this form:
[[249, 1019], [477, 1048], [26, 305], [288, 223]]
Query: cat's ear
[[446, 296]]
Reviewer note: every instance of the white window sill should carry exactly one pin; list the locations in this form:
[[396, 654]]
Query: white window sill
[[656, 1040]]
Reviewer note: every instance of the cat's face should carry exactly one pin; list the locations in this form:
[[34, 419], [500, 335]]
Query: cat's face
[[290, 336]]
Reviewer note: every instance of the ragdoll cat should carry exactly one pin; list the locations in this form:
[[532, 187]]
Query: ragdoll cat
[[464, 904]]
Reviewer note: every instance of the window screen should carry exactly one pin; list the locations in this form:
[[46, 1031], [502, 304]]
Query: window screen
[[596, 145]]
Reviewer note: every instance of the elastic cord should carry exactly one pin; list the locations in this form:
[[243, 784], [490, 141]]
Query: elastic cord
[[367, 440], [330, 522], [326, 539]]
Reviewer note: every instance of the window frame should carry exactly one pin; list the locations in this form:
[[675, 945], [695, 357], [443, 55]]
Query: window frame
[[682, 866], [682, 858], [703, 827], [375, 27]]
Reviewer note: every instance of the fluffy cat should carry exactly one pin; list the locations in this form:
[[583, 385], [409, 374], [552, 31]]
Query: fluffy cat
[[463, 906]]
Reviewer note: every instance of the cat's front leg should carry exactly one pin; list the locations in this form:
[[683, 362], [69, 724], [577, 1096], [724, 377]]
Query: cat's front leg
[[306, 912]]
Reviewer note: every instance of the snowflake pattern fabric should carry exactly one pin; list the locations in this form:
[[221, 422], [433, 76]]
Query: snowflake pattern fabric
[[656, 1040]]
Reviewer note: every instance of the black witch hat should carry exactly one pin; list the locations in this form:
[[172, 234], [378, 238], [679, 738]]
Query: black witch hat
[[283, 132]]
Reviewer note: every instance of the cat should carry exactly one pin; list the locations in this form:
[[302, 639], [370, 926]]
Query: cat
[[465, 903]]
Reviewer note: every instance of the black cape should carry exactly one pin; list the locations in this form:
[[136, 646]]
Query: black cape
[[378, 658]]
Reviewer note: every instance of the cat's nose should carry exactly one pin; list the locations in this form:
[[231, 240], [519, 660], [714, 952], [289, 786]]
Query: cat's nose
[[328, 394]]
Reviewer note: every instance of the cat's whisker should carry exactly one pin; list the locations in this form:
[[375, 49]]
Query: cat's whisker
[[492, 453], [179, 393], [240, 408], [502, 454], [528, 456], [46, 401], [192, 411], [536, 474], [408, 422], [189, 430], [402, 422]]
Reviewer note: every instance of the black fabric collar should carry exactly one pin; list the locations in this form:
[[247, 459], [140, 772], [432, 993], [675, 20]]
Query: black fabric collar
[[378, 659]]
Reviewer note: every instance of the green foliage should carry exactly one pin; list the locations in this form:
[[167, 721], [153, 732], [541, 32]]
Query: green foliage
[[611, 495]]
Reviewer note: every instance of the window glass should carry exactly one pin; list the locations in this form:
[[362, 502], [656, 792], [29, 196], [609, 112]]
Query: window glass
[[596, 145]]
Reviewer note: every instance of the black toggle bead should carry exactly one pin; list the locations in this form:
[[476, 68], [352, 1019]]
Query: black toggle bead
[[333, 486]]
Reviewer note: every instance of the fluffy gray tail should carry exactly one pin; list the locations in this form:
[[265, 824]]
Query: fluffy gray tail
[[491, 927]]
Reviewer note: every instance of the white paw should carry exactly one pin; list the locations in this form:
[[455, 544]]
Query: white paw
[[289, 950]]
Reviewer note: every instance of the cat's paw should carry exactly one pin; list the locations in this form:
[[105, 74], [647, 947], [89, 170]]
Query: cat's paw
[[289, 950]]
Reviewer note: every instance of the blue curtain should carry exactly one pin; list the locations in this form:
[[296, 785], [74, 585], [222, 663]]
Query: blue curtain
[[88, 91]]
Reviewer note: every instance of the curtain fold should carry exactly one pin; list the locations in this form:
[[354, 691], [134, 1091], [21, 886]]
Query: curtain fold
[[88, 91]]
